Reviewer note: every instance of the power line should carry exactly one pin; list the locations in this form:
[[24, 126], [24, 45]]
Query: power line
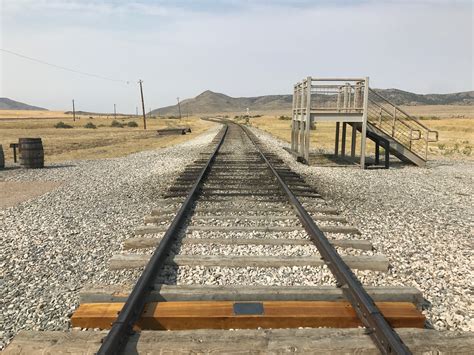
[[63, 68]]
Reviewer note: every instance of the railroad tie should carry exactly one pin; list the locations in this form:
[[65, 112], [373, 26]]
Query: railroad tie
[[329, 229], [361, 262], [147, 242]]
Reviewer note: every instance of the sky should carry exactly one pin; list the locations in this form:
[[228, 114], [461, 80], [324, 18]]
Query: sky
[[240, 48]]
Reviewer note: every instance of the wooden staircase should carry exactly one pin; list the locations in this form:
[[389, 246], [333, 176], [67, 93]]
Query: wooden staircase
[[407, 136]]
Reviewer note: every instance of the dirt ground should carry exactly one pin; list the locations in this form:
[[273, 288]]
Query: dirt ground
[[79, 143], [62, 144], [13, 192], [455, 125]]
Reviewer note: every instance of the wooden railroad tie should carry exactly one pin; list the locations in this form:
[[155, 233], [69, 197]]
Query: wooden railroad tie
[[245, 315], [327, 229], [260, 341], [150, 242], [260, 218], [171, 208], [171, 293], [360, 262]]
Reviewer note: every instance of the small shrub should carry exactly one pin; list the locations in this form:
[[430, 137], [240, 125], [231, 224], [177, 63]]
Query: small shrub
[[90, 125], [284, 118], [61, 124], [467, 150], [116, 124], [132, 124]]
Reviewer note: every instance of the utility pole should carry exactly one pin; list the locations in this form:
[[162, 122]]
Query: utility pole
[[143, 103], [73, 111], [179, 107], [115, 113], [136, 111]]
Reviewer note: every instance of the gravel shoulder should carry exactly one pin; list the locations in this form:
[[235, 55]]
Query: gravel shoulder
[[52, 245], [420, 218]]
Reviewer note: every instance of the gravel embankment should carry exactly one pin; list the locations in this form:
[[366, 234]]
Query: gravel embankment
[[420, 218], [52, 245]]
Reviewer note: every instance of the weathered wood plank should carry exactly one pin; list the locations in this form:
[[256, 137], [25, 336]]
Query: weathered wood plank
[[328, 229], [230, 209], [161, 292], [144, 242], [361, 262], [220, 315], [263, 218], [264, 341], [170, 203]]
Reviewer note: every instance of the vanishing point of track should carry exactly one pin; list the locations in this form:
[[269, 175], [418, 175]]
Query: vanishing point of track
[[237, 173]]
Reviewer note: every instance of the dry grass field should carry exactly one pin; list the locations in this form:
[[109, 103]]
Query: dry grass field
[[455, 125], [62, 144]]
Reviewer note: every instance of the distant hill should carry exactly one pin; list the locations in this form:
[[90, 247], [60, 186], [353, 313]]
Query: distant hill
[[8, 104], [213, 102], [400, 97]]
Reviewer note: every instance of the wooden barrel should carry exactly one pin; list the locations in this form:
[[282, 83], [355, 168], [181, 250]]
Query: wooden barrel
[[31, 152], [2, 158]]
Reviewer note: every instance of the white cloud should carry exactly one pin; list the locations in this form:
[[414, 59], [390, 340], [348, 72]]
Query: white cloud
[[262, 49]]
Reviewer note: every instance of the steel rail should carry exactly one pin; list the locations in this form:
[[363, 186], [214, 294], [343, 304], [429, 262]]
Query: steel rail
[[384, 337], [122, 328]]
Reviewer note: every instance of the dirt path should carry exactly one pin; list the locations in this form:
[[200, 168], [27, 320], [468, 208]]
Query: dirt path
[[13, 192]]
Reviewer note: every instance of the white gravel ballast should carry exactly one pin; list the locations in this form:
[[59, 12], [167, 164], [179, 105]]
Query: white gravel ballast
[[420, 218], [50, 246]]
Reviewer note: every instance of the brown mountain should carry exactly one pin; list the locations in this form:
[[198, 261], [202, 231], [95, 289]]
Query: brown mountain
[[8, 104], [210, 102], [213, 102]]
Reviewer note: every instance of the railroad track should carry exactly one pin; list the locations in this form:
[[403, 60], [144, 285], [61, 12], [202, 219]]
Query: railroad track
[[251, 214]]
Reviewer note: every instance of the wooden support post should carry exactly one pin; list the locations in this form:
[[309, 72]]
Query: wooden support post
[[343, 139], [307, 125], [377, 152], [387, 154], [338, 103], [336, 145], [73, 111], [293, 120], [353, 139], [143, 103], [14, 146], [364, 124], [346, 98], [300, 122]]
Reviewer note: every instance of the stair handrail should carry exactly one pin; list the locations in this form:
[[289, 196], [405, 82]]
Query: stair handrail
[[412, 119], [403, 123]]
